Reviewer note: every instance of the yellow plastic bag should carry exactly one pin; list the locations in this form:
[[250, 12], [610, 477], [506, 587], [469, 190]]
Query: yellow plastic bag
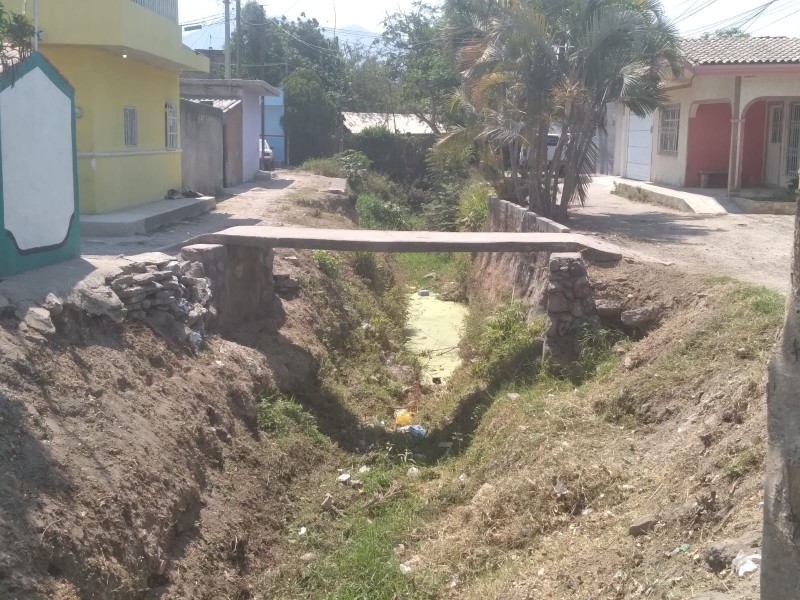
[[403, 418]]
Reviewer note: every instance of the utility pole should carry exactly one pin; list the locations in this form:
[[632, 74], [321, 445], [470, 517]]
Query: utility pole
[[227, 39], [238, 39], [35, 25]]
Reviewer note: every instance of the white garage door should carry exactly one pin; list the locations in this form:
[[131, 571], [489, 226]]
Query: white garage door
[[640, 143]]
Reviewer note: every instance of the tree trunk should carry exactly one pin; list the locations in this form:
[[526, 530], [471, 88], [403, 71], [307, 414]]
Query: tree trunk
[[780, 567]]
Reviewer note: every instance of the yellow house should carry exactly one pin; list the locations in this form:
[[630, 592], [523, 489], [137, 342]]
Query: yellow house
[[124, 59]]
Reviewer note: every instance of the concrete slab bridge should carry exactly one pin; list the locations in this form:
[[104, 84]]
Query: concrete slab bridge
[[239, 265]]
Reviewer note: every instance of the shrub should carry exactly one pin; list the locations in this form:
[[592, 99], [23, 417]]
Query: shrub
[[325, 167], [367, 265], [285, 418], [375, 213], [509, 345], [401, 157], [327, 262], [473, 210], [350, 165]]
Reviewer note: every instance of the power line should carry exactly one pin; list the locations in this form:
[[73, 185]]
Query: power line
[[739, 20]]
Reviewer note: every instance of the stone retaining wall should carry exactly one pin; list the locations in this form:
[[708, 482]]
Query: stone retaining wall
[[556, 285], [510, 217], [240, 277]]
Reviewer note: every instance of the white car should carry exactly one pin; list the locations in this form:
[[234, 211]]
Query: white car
[[552, 142], [266, 156]]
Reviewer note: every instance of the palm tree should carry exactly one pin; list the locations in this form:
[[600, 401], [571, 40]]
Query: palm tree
[[531, 66]]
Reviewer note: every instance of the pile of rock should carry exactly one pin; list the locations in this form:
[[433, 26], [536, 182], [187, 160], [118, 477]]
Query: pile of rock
[[174, 297]]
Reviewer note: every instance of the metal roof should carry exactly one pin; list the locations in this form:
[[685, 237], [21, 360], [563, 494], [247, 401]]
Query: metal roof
[[410, 124], [224, 104], [741, 50]]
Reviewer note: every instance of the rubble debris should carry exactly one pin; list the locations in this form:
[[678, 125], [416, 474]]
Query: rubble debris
[[171, 296]]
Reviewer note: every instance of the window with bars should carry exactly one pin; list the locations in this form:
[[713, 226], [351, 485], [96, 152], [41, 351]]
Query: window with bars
[[669, 130], [793, 158], [131, 126], [777, 125], [171, 125]]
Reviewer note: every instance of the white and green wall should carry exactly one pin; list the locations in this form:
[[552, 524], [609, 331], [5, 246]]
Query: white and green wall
[[38, 168]]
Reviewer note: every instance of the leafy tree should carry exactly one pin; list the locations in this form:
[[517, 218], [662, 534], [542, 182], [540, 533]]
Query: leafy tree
[[728, 32], [310, 116], [535, 65], [418, 58], [16, 34], [367, 85], [272, 48]]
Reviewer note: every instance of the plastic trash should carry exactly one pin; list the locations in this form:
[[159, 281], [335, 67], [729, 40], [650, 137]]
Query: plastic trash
[[746, 562], [343, 478], [513, 396], [424, 293], [364, 469], [417, 431], [302, 531], [403, 418], [413, 472]]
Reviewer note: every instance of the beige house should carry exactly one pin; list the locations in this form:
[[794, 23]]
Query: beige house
[[732, 120]]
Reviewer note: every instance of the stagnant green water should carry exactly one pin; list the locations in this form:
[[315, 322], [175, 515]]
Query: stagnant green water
[[434, 330]]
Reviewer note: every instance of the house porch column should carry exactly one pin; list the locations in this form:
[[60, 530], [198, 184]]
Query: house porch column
[[737, 140]]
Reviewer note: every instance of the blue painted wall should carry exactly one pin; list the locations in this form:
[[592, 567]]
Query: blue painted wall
[[273, 115]]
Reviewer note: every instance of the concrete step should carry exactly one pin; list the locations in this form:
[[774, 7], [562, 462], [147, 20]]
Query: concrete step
[[146, 218]]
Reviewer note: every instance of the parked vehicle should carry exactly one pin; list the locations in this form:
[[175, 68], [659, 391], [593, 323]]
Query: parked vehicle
[[552, 141], [266, 156]]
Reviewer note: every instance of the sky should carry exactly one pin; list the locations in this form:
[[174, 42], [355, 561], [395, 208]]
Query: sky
[[693, 17]]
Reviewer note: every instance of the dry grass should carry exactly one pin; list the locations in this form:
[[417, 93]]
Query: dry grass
[[555, 476]]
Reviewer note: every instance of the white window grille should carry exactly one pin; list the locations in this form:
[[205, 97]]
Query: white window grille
[[669, 131], [131, 126], [793, 158], [171, 126], [777, 125]]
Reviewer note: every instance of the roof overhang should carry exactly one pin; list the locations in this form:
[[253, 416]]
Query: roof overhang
[[748, 69], [226, 88]]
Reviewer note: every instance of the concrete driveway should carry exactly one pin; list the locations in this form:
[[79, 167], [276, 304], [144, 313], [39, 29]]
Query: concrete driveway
[[754, 248]]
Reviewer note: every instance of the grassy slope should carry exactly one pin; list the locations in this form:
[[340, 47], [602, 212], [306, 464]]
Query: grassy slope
[[540, 488]]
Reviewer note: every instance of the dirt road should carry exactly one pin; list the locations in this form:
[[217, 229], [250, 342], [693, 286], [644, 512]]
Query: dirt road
[[754, 248], [290, 198]]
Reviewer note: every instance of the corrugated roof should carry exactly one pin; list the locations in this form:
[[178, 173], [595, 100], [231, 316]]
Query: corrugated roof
[[741, 50], [224, 104], [409, 124]]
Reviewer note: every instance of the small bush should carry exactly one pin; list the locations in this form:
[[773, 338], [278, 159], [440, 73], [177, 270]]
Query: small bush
[[741, 464], [473, 211], [285, 417], [509, 345], [596, 355], [325, 167], [327, 262], [401, 157], [376, 213], [350, 165], [379, 185], [368, 265]]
